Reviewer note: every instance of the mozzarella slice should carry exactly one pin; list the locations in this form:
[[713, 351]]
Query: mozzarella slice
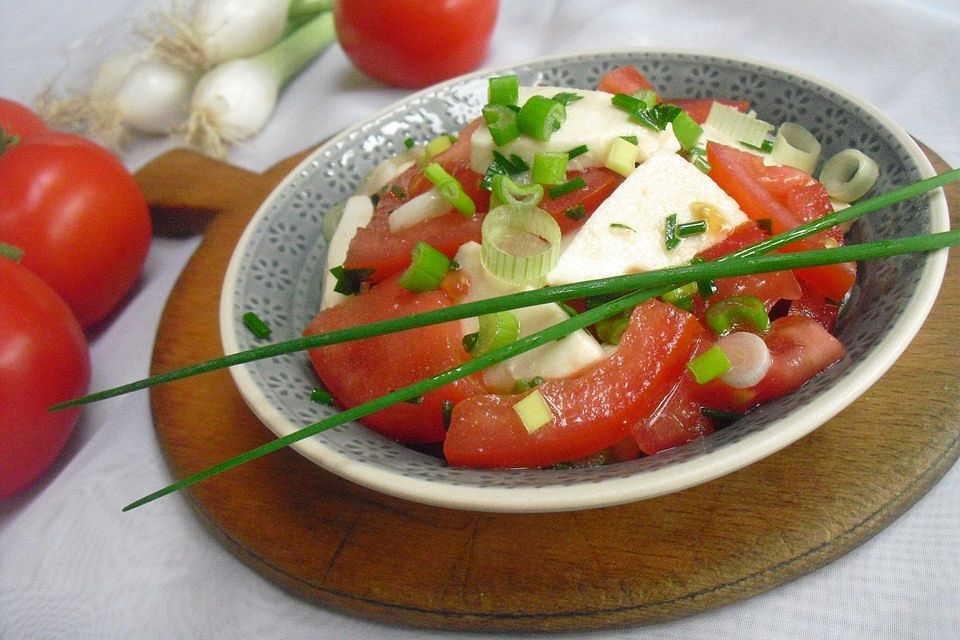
[[357, 212], [592, 121], [627, 231], [559, 359]]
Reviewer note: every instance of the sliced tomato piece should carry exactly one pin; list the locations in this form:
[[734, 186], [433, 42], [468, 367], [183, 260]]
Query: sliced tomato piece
[[572, 209], [627, 79], [768, 287], [815, 306], [678, 420], [359, 371], [786, 197], [699, 108], [801, 349], [592, 411]]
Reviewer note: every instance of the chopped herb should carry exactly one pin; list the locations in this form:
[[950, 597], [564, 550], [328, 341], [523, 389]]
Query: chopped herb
[[766, 224], [631, 139], [706, 288], [321, 396], [577, 151], [694, 228], [349, 280], [567, 187], [398, 191], [567, 97], [719, 417], [576, 212], [446, 408], [409, 143], [417, 400], [503, 166], [620, 225], [658, 116], [765, 147], [698, 157], [525, 385], [469, 340], [670, 239], [257, 327], [375, 199]]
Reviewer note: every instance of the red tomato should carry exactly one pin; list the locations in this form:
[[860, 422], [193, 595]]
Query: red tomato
[[18, 120], [678, 420], [815, 306], [786, 197], [600, 183], [355, 372], [415, 43], [699, 108], [43, 361], [79, 217], [591, 412], [627, 79]]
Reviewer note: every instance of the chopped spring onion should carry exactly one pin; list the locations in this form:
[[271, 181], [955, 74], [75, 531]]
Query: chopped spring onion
[[670, 238], [429, 204], [502, 123], [349, 281], [524, 385], [427, 269], [256, 325], [503, 90], [681, 297], [450, 188], [566, 98], [646, 96], [520, 244], [567, 187], [709, 365], [796, 146], [496, 330], [849, 174], [622, 157], [692, 228], [506, 191], [549, 167], [437, 146], [738, 312], [737, 126], [540, 116], [533, 411], [749, 359], [686, 130], [610, 330], [576, 212]]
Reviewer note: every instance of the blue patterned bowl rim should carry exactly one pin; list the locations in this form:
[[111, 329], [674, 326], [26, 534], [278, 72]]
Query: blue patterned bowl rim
[[276, 266]]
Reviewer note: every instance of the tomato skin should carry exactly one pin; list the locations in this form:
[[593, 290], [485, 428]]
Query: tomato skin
[[17, 119], [600, 183], [591, 412], [79, 217], [415, 43], [44, 360], [359, 371], [627, 79]]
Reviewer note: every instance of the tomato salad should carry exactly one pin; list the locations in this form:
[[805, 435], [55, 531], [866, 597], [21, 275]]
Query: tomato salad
[[619, 180]]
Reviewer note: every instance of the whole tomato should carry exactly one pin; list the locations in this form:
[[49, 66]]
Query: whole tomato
[[44, 360], [414, 43], [18, 120], [79, 217]]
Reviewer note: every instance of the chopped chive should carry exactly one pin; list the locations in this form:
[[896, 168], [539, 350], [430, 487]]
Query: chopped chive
[[720, 417], [620, 225], [415, 400], [670, 238], [11, 252], [321, 396], [521, 386], [764, 147], [576, 212], [631, 139], [398, 191], [694, 228], [577, 151], [765, 224], [257, 327], [567, 187], [409, 143]]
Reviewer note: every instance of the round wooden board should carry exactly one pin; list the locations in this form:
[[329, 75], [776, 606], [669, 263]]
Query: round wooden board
[[372, 555]]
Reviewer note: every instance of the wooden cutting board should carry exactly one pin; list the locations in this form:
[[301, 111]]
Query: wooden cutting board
[[355, 550]]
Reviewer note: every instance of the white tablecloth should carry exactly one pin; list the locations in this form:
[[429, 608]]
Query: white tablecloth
[[73, 566]]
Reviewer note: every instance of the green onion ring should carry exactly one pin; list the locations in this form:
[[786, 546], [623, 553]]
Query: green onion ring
[[849, 174], [520, 244]]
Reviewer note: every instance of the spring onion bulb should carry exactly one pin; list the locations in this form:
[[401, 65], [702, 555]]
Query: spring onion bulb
[[427, 205], [520, 244], [795, 146], [155, 97], [220, 30], [533, 411], [749, 359], [736, 126], [234, 100], [849, 174]]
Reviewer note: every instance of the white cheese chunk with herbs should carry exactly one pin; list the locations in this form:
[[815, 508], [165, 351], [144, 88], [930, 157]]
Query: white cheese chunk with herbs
[[357, 212], [592, 121], [626, 234], [558, 359]]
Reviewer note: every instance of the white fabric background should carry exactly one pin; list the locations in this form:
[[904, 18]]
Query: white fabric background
[[73, 566]]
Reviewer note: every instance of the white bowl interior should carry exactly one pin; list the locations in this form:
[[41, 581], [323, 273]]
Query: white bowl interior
[[277, 270]]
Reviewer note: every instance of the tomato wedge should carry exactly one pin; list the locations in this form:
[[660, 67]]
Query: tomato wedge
[[359, 371], [571, 210], [627, 79], [592, 412], [699, 108], [786, 197]]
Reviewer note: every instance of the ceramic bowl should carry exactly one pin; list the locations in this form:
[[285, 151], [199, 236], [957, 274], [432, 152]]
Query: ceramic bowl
[[277, 268]]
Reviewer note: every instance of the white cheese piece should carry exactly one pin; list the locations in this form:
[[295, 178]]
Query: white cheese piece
[[591, 121], [357, 212], [626, 232], [558, 359]]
